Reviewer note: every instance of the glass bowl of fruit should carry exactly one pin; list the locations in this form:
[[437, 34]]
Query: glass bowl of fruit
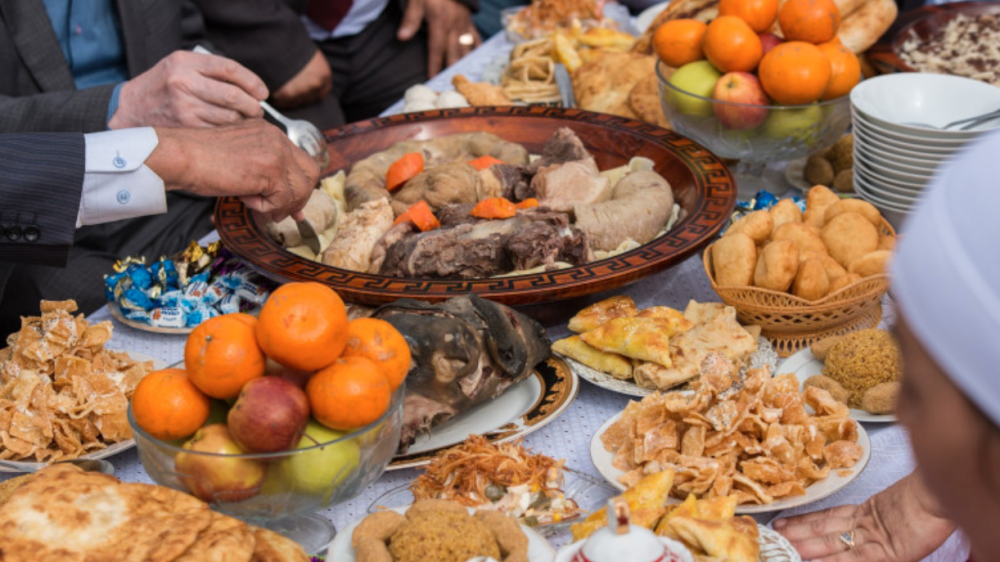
[[274, 418]]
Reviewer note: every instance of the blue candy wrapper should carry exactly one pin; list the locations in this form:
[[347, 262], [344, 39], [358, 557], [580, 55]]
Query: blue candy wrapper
[[171, 298], [201, 314], [196, 289], [229, 304], [140, 276], [252, 292], [167, 317], [234, 280], [134, 299], [136, 315], [214, 293], [200, 278], [110, 283], [189, 303]]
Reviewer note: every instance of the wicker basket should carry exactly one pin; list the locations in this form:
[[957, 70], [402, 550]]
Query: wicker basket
[[792, 323]]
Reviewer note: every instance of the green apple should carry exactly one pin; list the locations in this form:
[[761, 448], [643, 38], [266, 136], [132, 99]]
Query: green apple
[[696, 78], [320, 470], [803, 123]]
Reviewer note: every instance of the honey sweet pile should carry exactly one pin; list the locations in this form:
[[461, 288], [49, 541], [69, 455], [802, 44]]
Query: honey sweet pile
[[755, 440], [62, 394]]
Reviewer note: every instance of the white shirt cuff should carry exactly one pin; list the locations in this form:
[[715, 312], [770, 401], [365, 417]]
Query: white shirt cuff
[[117, 184]]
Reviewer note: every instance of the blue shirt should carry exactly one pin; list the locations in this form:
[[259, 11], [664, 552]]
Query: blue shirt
[[90, 35]]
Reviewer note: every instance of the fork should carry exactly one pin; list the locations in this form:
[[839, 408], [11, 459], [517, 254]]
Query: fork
[[302, 133]]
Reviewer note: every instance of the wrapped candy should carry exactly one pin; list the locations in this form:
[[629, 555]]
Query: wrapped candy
[[167, 317]]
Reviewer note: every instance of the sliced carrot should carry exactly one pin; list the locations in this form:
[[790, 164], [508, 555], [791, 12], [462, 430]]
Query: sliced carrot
[[484, 162], [402, 170], [421, 215], [494, 208], [529, 203]]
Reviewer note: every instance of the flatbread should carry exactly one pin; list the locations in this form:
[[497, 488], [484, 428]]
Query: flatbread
[[645, 100], [604, 83], [224, 540], [272, 547], [862, 29]]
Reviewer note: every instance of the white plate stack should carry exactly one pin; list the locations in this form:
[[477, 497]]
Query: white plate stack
[[899, 140]]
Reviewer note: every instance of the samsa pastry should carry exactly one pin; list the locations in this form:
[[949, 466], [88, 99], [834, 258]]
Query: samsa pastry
[[647, 339], [581, 352], [620, 306], [648, 494], [732, 540]]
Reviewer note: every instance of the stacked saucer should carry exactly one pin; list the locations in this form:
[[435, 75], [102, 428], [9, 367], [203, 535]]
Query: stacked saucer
[[899, 134]]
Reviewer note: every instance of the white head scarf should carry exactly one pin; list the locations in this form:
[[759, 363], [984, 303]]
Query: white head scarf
[[946, 274]]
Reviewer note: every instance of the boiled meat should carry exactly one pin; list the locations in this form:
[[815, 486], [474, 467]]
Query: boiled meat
[[561, 186], [563, 146], [639, 208], [395, 234], [438, 186], [321, 213], [360, 230], [484, 248], [465, 351]]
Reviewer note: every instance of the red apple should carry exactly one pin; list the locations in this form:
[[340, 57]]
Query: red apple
[[215, 478], [275, 369], [769, 41], [744, 89], [269, 415]]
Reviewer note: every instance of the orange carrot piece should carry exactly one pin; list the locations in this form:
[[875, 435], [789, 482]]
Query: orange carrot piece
[[494, 208], [421, 215], [484, 162], [529, 203], [402, 170]]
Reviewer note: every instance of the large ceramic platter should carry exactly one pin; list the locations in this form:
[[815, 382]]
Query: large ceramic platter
[[703, 188], [923, 22], [773, 548], [111, 450], [804, 364], [765, 355], [818, 490], [524, 408], [341, 550]]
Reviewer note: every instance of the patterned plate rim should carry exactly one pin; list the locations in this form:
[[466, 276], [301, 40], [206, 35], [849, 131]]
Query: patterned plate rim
[[560, 386]]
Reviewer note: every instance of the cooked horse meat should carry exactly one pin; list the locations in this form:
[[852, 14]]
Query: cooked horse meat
[[564, 146], [438, 186], [487, 247], [366, 180], [395, 234], [454, 215], [639, 208], [504, 180], [561, 186], [465, 351], [320, 213], [358, 233]]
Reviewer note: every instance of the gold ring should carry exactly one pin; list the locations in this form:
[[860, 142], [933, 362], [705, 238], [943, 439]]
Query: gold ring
[[466, 39], [847, 538]]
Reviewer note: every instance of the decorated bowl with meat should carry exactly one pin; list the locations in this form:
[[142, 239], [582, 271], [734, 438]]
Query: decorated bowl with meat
[[521, 205]]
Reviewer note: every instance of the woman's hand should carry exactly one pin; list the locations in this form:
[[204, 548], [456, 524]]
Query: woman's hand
[[903, 523]]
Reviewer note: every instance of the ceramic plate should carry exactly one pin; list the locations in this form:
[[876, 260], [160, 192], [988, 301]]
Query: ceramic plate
[[818, 490], [804, 365], [524, 408], [773, 548], [589, 493], [111, 450], [702, 186], [116, 313], [765, 355], [646, 17], [341, 550]]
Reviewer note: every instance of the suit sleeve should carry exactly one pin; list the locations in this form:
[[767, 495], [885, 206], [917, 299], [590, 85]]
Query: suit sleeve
[[71, 111], [41, 179], [266, 36]]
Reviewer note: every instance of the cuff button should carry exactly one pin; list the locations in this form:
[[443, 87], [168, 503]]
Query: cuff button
[[12, 232], [31, 233]]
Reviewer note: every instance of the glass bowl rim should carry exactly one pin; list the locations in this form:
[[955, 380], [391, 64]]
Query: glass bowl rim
[[844, 99], [395, 403]]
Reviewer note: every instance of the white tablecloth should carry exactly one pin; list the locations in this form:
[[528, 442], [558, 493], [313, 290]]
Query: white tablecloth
[[569, 436]]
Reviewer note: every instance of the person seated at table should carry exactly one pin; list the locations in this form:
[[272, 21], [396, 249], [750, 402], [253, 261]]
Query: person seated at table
[[355, 58], [946, 282], [110, 176]]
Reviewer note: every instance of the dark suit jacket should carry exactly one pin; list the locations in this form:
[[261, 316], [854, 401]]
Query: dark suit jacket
[[37, 92], [41, 181]]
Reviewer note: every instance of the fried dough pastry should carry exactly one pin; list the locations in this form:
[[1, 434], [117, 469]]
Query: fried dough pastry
[[861, 207], [610, 363], [720, 539], [844, 281], [818, 200], [644, 99], [784, 211], [272, 547], [806, 238], [734, 258], [646, 339], [872, 263], [224, 540], [848, 236], [811, 281], [480, 93], [648, 494], [777, 265], [618, 306], [605, 83], [757, 225]]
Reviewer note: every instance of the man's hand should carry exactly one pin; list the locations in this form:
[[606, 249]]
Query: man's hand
[[252, 160], [188, 89], [310, 85], [447, 20], [902, 523]]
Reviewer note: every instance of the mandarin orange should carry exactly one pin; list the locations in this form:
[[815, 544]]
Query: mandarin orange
[[845, 70], [759, 14], [731, 45], [812, 21], [168, 406], [303, 326], [351, 393], [381, 342], [795, 73], [678, 42], [221, 354]]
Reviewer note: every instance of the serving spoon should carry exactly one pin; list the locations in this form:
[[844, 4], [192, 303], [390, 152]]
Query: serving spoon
[[969, 122]]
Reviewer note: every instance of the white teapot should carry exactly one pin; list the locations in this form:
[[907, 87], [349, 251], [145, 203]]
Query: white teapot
[[621, 541]]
